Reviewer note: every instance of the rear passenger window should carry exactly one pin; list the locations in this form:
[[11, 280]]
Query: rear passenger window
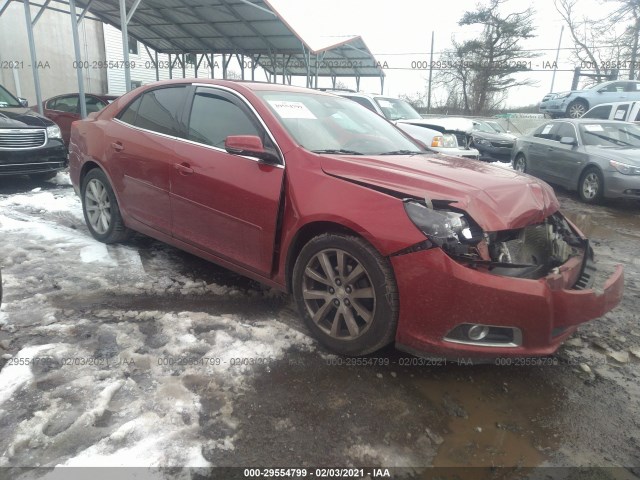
[[160, 110], [213, 118], [67, 104], [601, 112], [129, 114]]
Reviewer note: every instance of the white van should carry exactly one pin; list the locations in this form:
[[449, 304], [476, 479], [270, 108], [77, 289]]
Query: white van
[[623, 111]]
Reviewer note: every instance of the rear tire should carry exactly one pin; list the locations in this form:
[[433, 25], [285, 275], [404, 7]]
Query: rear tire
[[591, 186], [346, 293], [100, 208]]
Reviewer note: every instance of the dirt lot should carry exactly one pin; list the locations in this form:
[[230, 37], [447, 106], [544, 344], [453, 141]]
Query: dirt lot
[[142, 355]]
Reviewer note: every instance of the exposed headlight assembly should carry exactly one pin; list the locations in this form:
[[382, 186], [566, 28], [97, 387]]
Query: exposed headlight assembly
[[481, 141], [54, 132], [562, 95], [440, 226]]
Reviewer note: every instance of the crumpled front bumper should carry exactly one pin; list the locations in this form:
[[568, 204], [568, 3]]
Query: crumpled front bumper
[[437, 294]]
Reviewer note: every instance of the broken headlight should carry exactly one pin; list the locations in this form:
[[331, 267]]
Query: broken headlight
[[441, 227]]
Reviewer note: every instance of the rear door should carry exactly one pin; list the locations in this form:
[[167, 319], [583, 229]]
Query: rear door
[[564, 161], [142, 147], [539, 148], [222, 203]]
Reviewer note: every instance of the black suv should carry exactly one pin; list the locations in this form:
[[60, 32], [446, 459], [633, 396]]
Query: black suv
[[30, 144]]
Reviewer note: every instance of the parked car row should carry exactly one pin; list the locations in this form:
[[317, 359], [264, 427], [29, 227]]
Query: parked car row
[[378, 239], [575, 103], [34, 144], [433, 135], [30, 144], [598, 158]]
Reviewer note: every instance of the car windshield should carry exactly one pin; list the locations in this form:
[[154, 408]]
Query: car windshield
[[7, 100], [396, 109], [330, 124], [496, 127], [483, 127], [610, 134]]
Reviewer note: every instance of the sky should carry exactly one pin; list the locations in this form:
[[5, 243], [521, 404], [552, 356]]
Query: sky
[[399, 32]]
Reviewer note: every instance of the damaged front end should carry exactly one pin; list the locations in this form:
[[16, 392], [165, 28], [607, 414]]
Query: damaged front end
[[532, 252], [484, 294]]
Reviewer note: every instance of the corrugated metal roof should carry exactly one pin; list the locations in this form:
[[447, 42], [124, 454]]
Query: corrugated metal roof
[[244, 27]]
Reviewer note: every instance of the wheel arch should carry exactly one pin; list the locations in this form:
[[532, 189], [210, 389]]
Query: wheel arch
[[589, 166], [578, 99], [306, 233]]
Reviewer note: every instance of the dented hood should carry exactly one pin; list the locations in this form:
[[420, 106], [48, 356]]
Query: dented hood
[[496, 198]]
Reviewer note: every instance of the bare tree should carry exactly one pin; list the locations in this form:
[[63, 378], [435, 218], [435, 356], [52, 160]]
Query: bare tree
[[484, 68], [629, 11], [599, 44]]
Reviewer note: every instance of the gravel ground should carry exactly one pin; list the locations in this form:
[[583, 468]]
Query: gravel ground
[[143, 355]]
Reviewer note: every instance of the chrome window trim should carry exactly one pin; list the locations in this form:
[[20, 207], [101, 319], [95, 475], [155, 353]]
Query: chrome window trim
[[211, 147], [184, 140]]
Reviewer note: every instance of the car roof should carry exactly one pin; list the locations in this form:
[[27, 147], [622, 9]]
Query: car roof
[[614, 104], [238, 85]]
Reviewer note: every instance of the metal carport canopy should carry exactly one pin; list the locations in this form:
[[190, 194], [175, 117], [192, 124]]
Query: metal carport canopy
[[247, 28]]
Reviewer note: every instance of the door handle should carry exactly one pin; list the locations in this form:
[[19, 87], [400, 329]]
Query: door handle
[[183, 168], [117, 146]]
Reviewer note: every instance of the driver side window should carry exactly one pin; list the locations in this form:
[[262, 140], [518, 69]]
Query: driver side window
[[214, 117]]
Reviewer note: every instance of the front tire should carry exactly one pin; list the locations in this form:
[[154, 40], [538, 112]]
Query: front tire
[[577, 108], [591, 186], [520, 164], [346, 293], [100, 208]]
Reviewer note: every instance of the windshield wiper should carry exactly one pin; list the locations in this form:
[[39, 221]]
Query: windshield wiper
[[621, 143], [338, 151], [401, 152]]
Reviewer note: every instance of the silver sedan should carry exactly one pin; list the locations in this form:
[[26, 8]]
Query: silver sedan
[[598, 158]]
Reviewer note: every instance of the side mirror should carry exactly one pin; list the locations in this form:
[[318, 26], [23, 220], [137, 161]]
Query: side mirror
[[251, 146], [568, 141], [23, 101]]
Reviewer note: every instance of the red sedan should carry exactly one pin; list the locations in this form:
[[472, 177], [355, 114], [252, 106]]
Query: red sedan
[[65, 109], [377, 239]]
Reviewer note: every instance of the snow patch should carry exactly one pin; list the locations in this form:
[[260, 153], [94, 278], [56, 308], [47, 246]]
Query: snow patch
[[14, 375]]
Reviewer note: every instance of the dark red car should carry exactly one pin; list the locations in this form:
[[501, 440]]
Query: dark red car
[[65, 109], [310, 193]]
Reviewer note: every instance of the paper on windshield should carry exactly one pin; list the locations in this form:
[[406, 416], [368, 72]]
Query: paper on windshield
[[594, 128], [547, 129], [620, 114], [288, 109]]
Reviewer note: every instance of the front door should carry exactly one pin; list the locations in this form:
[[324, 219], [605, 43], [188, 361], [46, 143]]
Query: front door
[[222, 203]]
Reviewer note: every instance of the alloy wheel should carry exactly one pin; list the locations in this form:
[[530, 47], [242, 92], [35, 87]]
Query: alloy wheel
[[590, 185], [577, 110], [338, 294], [98, 206]]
